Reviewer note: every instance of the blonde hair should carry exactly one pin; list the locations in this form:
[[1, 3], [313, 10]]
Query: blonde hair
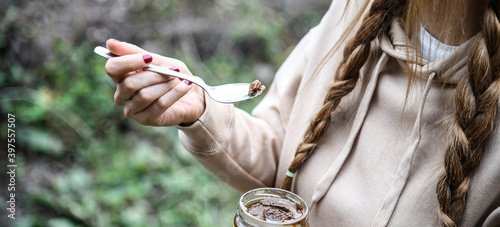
[[476, 99]]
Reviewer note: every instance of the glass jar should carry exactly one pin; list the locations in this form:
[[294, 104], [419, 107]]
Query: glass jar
[[244, 218]]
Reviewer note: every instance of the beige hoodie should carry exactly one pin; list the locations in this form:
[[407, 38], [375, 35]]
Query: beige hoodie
[[376, 166]]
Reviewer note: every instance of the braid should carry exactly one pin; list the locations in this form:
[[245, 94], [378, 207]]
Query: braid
[[477, 101], [356, 52]]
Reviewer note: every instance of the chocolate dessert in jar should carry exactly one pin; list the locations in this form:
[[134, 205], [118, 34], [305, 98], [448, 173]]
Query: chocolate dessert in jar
[[271, 207]]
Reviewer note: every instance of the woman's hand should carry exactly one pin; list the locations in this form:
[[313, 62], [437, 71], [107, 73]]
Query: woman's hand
[[151, 98]]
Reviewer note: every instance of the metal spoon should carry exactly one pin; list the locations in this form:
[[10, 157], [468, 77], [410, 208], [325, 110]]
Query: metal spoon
[[227, 93]]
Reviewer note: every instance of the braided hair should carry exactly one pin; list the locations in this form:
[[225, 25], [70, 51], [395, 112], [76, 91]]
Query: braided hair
[[377, 21], [476, 100]]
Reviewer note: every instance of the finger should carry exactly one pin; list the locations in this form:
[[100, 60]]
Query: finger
[[123, 48], [118, 67], [145, 97], [133, 83], [158, 107]]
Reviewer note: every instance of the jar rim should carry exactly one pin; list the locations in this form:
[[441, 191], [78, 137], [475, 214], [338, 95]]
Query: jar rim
[[280, 192]]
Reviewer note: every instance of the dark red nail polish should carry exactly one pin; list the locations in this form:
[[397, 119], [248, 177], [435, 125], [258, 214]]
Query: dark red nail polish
[[115, 40], [188, 82], [147, 58], [175, 68]]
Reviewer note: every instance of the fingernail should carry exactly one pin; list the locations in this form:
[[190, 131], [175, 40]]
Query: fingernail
[[115, 40], [188, 82], [175, 68], [147, 58]]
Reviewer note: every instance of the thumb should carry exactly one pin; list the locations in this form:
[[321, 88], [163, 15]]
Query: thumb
[[122, 48]]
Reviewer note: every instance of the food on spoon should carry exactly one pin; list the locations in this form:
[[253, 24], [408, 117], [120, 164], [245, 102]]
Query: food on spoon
[[255, 87]]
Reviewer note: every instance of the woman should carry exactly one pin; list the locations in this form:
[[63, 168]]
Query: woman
[[388, 120]]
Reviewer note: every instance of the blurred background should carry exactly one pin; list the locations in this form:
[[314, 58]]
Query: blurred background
[[80, 162]]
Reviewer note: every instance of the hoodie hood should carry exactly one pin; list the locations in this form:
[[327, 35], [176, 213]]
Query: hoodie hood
[[449, 70]]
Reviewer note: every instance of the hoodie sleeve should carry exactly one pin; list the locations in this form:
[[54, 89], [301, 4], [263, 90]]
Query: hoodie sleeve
[[242, 149]]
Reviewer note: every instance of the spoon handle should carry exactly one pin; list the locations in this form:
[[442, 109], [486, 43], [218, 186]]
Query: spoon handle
[[162, 70]]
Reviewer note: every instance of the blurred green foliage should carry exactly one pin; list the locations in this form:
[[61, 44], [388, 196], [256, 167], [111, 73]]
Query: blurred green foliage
[[80, 161]]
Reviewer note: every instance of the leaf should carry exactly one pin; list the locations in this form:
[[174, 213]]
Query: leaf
[[41, 141]]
